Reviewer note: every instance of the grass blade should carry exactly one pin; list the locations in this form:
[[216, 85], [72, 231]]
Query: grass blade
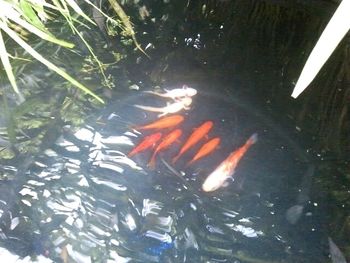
[[77, 9], [31, 16], [7, 66], [47, 63]]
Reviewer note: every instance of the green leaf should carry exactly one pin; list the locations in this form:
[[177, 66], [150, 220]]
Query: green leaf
[[31, 16], [40, 33], [47, 63], [7, 65]]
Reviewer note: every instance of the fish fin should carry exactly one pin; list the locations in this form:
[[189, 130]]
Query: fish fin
[[152, 162], [146, 108], [190, 163], [131, 154], [253, 139], [227, 182], [231, 178], [174, 160]]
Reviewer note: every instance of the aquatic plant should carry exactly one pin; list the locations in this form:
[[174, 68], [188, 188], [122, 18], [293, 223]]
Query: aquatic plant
[[30, 105], [20, 18]]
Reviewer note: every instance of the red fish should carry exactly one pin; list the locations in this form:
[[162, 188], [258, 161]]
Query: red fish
[[205, 149], [166, 122], [166, 142], [227, 168], [195, 137], [147, 142]]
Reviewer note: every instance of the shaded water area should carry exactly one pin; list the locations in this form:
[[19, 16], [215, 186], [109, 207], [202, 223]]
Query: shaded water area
[[83, 200], [86, 195]]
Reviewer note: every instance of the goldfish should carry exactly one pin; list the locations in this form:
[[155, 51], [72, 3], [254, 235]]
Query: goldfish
[[166, 142], [226, 169], [166, 122], [198, 134], [147, 142], [185, 91], [184, 103], [205, 149]]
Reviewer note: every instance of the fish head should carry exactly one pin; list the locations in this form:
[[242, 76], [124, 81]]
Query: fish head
[[208, 125], [186, 101], [157, 136], [214, 181], [190, 91]]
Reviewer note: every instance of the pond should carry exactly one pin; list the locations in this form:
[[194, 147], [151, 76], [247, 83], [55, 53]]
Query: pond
[[87, 197], [85, 200]]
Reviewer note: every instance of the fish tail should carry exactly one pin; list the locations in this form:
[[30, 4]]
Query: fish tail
[[190, 163], [174, 160], [131, 154], [134, 127], [148, 108], [153, 93], [253, 139], [152, 161], [150, 92]]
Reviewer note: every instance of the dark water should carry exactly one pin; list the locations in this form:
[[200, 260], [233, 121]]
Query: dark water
[[86, 197]]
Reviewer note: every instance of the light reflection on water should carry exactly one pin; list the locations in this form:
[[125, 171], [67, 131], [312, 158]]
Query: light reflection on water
[[86, 197]]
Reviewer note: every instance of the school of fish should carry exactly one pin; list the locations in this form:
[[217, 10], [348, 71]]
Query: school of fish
[[164, 136]]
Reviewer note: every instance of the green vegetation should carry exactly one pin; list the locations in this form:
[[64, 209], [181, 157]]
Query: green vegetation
[[30, 107], [30, 16]]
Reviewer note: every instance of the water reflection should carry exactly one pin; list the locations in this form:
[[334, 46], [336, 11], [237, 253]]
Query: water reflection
[[86, 201]]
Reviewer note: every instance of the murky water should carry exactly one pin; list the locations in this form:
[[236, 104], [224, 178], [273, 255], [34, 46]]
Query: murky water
[[85, 198]]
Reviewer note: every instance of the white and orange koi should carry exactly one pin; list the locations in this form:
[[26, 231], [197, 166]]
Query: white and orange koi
[[184, 103], [226, 169]]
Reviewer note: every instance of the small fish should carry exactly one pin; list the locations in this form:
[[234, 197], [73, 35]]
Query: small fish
[[147, 142], [166, 122], [227, 168], [294, 213], [198, 134], [205, 149], [166, 142], [185, 91], [336, 255], [170, 108]]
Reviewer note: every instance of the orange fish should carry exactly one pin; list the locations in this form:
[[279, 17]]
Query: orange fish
[[227, 168], [166, 142], [147, 142], [198, 134], [166, 122], [205, 149]]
